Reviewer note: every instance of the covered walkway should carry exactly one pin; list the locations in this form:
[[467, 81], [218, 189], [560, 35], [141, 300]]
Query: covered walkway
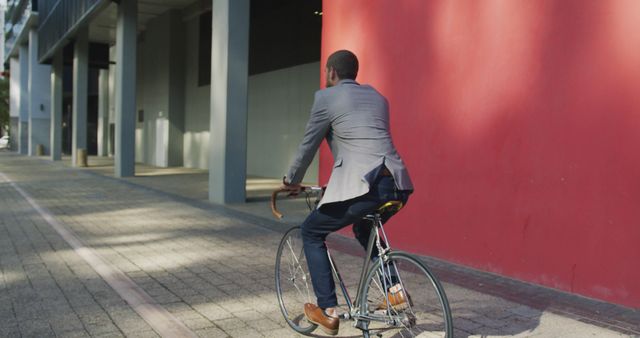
[[193, 184]]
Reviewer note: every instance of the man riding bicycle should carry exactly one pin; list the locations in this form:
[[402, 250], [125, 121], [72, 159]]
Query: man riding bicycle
[[367, 173]]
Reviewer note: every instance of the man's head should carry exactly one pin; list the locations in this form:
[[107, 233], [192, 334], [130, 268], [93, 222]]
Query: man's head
[[341, 65]]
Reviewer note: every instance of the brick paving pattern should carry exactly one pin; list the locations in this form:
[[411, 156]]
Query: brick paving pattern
[[210, 267]]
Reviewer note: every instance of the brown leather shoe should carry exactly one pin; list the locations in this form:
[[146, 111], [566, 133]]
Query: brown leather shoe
[[328, 324], [397, 298]]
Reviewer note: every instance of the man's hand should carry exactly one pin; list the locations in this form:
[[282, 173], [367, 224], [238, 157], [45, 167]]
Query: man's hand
[[293, 189]]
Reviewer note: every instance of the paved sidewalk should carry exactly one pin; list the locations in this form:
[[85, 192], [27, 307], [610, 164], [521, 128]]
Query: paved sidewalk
[[210, 267]]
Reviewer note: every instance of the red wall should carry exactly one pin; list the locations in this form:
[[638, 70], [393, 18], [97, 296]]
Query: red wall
[[520, 125]]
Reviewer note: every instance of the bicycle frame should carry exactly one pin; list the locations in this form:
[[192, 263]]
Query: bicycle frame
[[374, 239]]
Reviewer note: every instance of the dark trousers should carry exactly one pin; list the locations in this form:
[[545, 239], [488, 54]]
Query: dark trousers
[[335, 216]]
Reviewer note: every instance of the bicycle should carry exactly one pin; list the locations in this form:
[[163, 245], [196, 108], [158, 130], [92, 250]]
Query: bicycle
[[425, 314]]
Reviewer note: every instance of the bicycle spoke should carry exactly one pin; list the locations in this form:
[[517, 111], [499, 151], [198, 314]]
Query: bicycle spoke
[[296, 267], [299, 268], [292, 283], [377, 283], [405, 290]]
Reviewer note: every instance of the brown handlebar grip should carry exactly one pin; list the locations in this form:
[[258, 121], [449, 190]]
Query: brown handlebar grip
[[274, 209]]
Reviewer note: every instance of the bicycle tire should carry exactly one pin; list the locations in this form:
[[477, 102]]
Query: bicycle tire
[[427, 310], [293, 282]]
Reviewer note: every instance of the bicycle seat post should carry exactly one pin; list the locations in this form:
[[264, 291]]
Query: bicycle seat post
[[389, 207], [377, 227]]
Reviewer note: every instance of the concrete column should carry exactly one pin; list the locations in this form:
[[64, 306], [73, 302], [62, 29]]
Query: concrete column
[[103, 112], [125, 88], [23, 127], [56, 107], [80, 93], [229, 81], [39, 99], [14, 105], [111, 146]]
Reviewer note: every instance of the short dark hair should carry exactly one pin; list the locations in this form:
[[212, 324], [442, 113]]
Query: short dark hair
[[345, 63]]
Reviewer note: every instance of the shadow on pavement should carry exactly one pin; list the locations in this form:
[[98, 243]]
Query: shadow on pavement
[[210, 265]]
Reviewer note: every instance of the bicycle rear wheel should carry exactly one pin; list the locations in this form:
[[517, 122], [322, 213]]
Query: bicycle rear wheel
[[293, 282], [425, 314]]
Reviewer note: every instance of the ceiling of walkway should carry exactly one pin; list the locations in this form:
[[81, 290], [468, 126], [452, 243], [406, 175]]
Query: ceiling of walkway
[[293, 26], [103, 27]]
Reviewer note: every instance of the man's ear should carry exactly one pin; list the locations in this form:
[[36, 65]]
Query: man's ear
[[333, 75]]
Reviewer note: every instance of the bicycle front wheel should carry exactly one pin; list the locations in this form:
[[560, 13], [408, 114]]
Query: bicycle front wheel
[[403, 298], [293, 282]]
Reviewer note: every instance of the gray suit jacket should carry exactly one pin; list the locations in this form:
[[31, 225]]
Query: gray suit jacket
[[355, 121]]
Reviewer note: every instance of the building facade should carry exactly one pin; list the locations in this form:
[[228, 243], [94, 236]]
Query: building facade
[[169, 116], [519, 124], [517, 120], [29, 103]]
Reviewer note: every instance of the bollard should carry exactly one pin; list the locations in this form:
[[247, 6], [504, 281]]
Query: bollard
[[39, 150], [81, 160]]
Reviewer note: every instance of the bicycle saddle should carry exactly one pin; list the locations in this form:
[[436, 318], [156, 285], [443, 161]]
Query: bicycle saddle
[[391, 206]]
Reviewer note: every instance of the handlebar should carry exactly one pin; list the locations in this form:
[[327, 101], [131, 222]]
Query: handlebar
[[305, 189]]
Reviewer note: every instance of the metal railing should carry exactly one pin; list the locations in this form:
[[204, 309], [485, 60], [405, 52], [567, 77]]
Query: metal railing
[[58, 18], [16, 17], [16, 9], [45, 7]]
